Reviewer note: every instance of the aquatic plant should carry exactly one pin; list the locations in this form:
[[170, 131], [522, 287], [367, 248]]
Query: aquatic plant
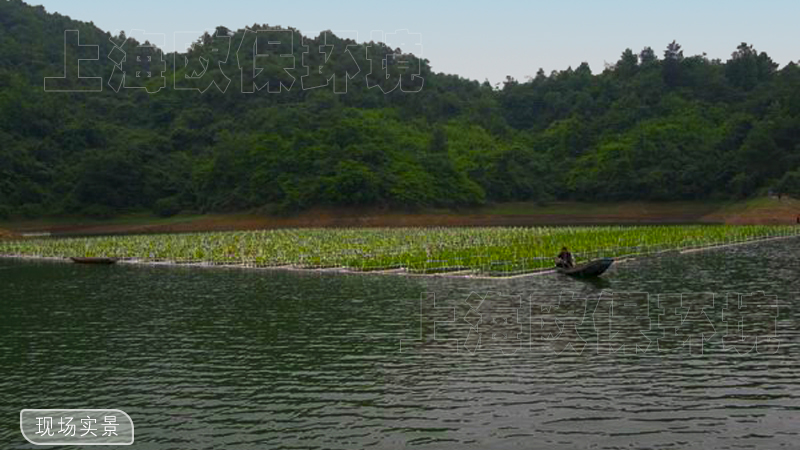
[[492, 251]]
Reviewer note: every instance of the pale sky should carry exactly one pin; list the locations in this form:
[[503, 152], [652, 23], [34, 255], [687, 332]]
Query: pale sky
[[485, 39]]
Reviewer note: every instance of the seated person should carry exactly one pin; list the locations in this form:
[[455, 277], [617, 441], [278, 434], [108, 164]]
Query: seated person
[[564, 259]]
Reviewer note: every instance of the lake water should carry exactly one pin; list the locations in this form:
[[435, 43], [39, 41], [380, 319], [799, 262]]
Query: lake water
[[205, 358]]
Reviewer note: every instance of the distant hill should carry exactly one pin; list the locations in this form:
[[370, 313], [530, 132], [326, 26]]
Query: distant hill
[[652, 127]]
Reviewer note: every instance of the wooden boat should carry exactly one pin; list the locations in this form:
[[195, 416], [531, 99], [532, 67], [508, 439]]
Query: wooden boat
[[102, 261], [588, 270]]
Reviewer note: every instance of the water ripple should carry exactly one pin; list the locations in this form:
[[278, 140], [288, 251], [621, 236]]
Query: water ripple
[[236, 359]]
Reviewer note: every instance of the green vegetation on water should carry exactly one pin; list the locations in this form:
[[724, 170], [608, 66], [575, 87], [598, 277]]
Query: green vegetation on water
[[485, 251]]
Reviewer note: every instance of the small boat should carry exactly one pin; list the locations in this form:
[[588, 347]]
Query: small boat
[[588, 270], [101, 261]]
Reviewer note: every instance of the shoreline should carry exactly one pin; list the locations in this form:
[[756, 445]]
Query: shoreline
[[463, 274], [763, 211]]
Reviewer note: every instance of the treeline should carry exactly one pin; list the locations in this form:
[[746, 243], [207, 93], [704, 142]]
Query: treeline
[[655, 126]]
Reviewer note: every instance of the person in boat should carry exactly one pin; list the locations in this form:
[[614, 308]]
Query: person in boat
[[564, 259]]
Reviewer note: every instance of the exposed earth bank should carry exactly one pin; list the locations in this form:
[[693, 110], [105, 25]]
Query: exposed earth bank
[[755, 211]]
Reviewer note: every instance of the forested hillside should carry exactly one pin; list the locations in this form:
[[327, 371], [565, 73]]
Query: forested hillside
[[657, 125]]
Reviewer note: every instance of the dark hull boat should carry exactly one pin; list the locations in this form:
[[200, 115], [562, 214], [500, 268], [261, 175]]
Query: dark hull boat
[[100, 261], [588, 270]]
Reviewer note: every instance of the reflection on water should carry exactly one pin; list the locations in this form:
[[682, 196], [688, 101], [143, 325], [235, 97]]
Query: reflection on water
[[237, 359]]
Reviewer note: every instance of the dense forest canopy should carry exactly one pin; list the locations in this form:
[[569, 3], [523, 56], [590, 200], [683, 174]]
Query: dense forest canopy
[[653, 126]]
